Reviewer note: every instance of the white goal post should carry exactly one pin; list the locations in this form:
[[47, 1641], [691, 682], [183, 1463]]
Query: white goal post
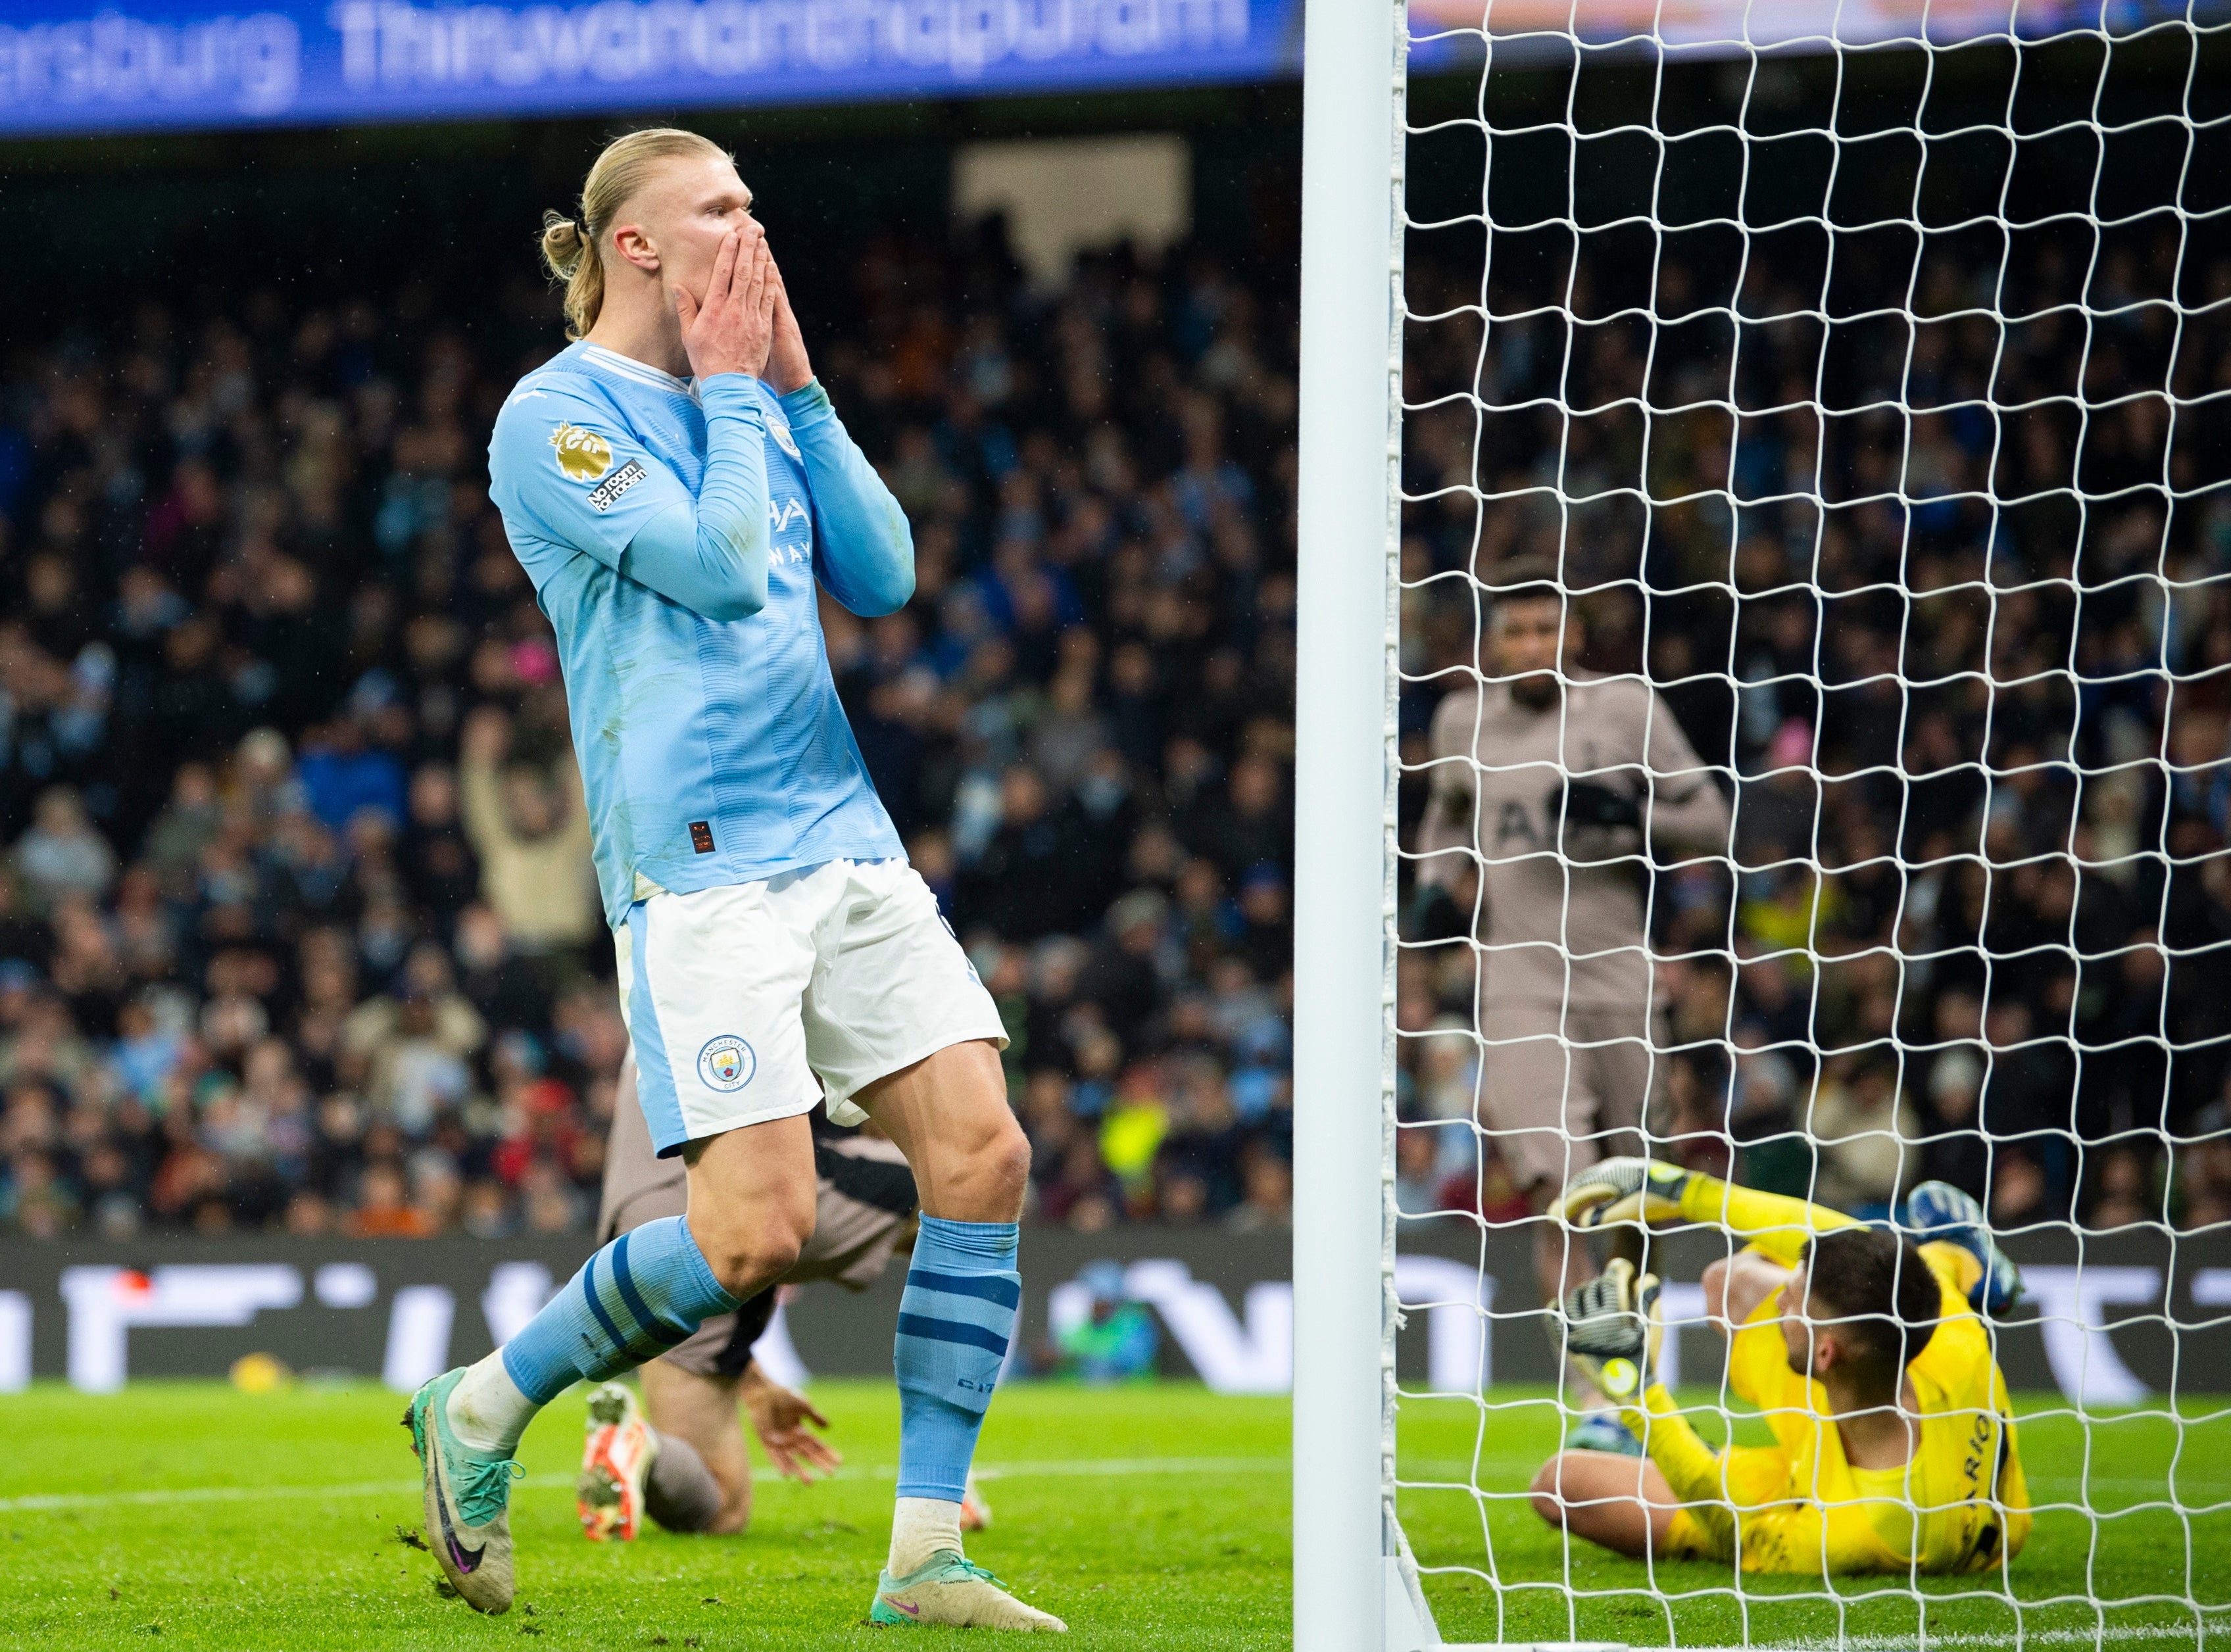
[[1343, 857], [1972, 634]]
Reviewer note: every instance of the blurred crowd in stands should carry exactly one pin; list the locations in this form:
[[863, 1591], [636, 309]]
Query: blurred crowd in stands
[[297, 925], [296, 922], [1962, 646]]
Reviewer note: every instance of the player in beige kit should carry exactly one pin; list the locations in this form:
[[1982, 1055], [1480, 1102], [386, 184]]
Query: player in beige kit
[[1541, 757]]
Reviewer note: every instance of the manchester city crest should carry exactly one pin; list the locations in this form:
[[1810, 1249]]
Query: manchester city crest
[[727, 1063]]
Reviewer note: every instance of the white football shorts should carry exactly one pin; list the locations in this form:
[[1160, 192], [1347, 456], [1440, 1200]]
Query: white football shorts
[[753, 1001]]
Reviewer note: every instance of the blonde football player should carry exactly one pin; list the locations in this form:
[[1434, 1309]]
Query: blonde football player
[[680, 489]]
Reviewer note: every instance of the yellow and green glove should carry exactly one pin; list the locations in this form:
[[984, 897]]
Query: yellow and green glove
[[1616, 1192], [1612, 1332]]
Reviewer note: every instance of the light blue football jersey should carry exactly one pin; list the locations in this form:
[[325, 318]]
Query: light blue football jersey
[[713, 752]]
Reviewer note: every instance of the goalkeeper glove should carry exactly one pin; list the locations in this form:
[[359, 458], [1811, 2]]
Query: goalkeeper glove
[[1613, 1334], [1623, 1191], [1587, 803]]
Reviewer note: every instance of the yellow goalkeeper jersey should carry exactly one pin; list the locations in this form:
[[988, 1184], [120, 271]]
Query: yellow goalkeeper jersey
[[1797, 1506]]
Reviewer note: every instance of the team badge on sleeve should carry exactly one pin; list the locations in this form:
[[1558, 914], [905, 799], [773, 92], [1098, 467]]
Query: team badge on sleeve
[[726, 1062], [583, 456]]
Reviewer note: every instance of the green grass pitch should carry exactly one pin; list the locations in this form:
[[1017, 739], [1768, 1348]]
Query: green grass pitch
[[192, 1515]]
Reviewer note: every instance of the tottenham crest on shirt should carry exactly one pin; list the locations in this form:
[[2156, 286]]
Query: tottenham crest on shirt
[[583, 456], [726, 1062]]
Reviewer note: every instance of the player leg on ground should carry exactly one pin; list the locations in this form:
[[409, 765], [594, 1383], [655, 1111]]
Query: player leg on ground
[[685, 1444], [698, 1431], [1620, 1502]]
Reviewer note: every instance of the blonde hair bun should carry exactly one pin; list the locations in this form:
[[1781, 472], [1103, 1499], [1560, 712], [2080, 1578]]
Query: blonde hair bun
[[563, 245]]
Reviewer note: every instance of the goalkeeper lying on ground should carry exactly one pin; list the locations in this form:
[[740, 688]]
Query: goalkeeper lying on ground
[[1894, 1442]]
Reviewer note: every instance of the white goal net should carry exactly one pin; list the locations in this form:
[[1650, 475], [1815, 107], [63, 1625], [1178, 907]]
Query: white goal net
[[1814, 581]]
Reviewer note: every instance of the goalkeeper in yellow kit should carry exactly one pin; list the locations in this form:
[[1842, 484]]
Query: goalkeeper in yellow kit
[[1894, 1442]]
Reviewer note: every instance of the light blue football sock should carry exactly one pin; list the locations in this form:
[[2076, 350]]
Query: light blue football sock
[[954, 1323], [630, 1302]]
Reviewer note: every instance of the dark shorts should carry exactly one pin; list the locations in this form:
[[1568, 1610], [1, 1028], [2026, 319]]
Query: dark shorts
[[863, 1205], [1564, 1087]]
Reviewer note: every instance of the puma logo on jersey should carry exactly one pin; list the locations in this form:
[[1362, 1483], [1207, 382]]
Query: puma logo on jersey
[[781, 514]]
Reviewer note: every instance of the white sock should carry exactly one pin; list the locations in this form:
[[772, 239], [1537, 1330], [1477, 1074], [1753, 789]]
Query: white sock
[[920, 1527], [486, 1412]]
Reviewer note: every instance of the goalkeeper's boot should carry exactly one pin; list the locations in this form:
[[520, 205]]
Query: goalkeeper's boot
[[616, 1459], [1603, 1431], [1938, 1212], [975, 1512], [468, 1500], [952, 1589]]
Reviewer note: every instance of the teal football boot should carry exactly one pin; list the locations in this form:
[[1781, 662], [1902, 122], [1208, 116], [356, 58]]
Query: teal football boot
[[952, 1589], [468, 1500]]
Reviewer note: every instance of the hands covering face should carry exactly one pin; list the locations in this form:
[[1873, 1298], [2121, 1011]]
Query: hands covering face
[[745, 324], [732, 330]]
